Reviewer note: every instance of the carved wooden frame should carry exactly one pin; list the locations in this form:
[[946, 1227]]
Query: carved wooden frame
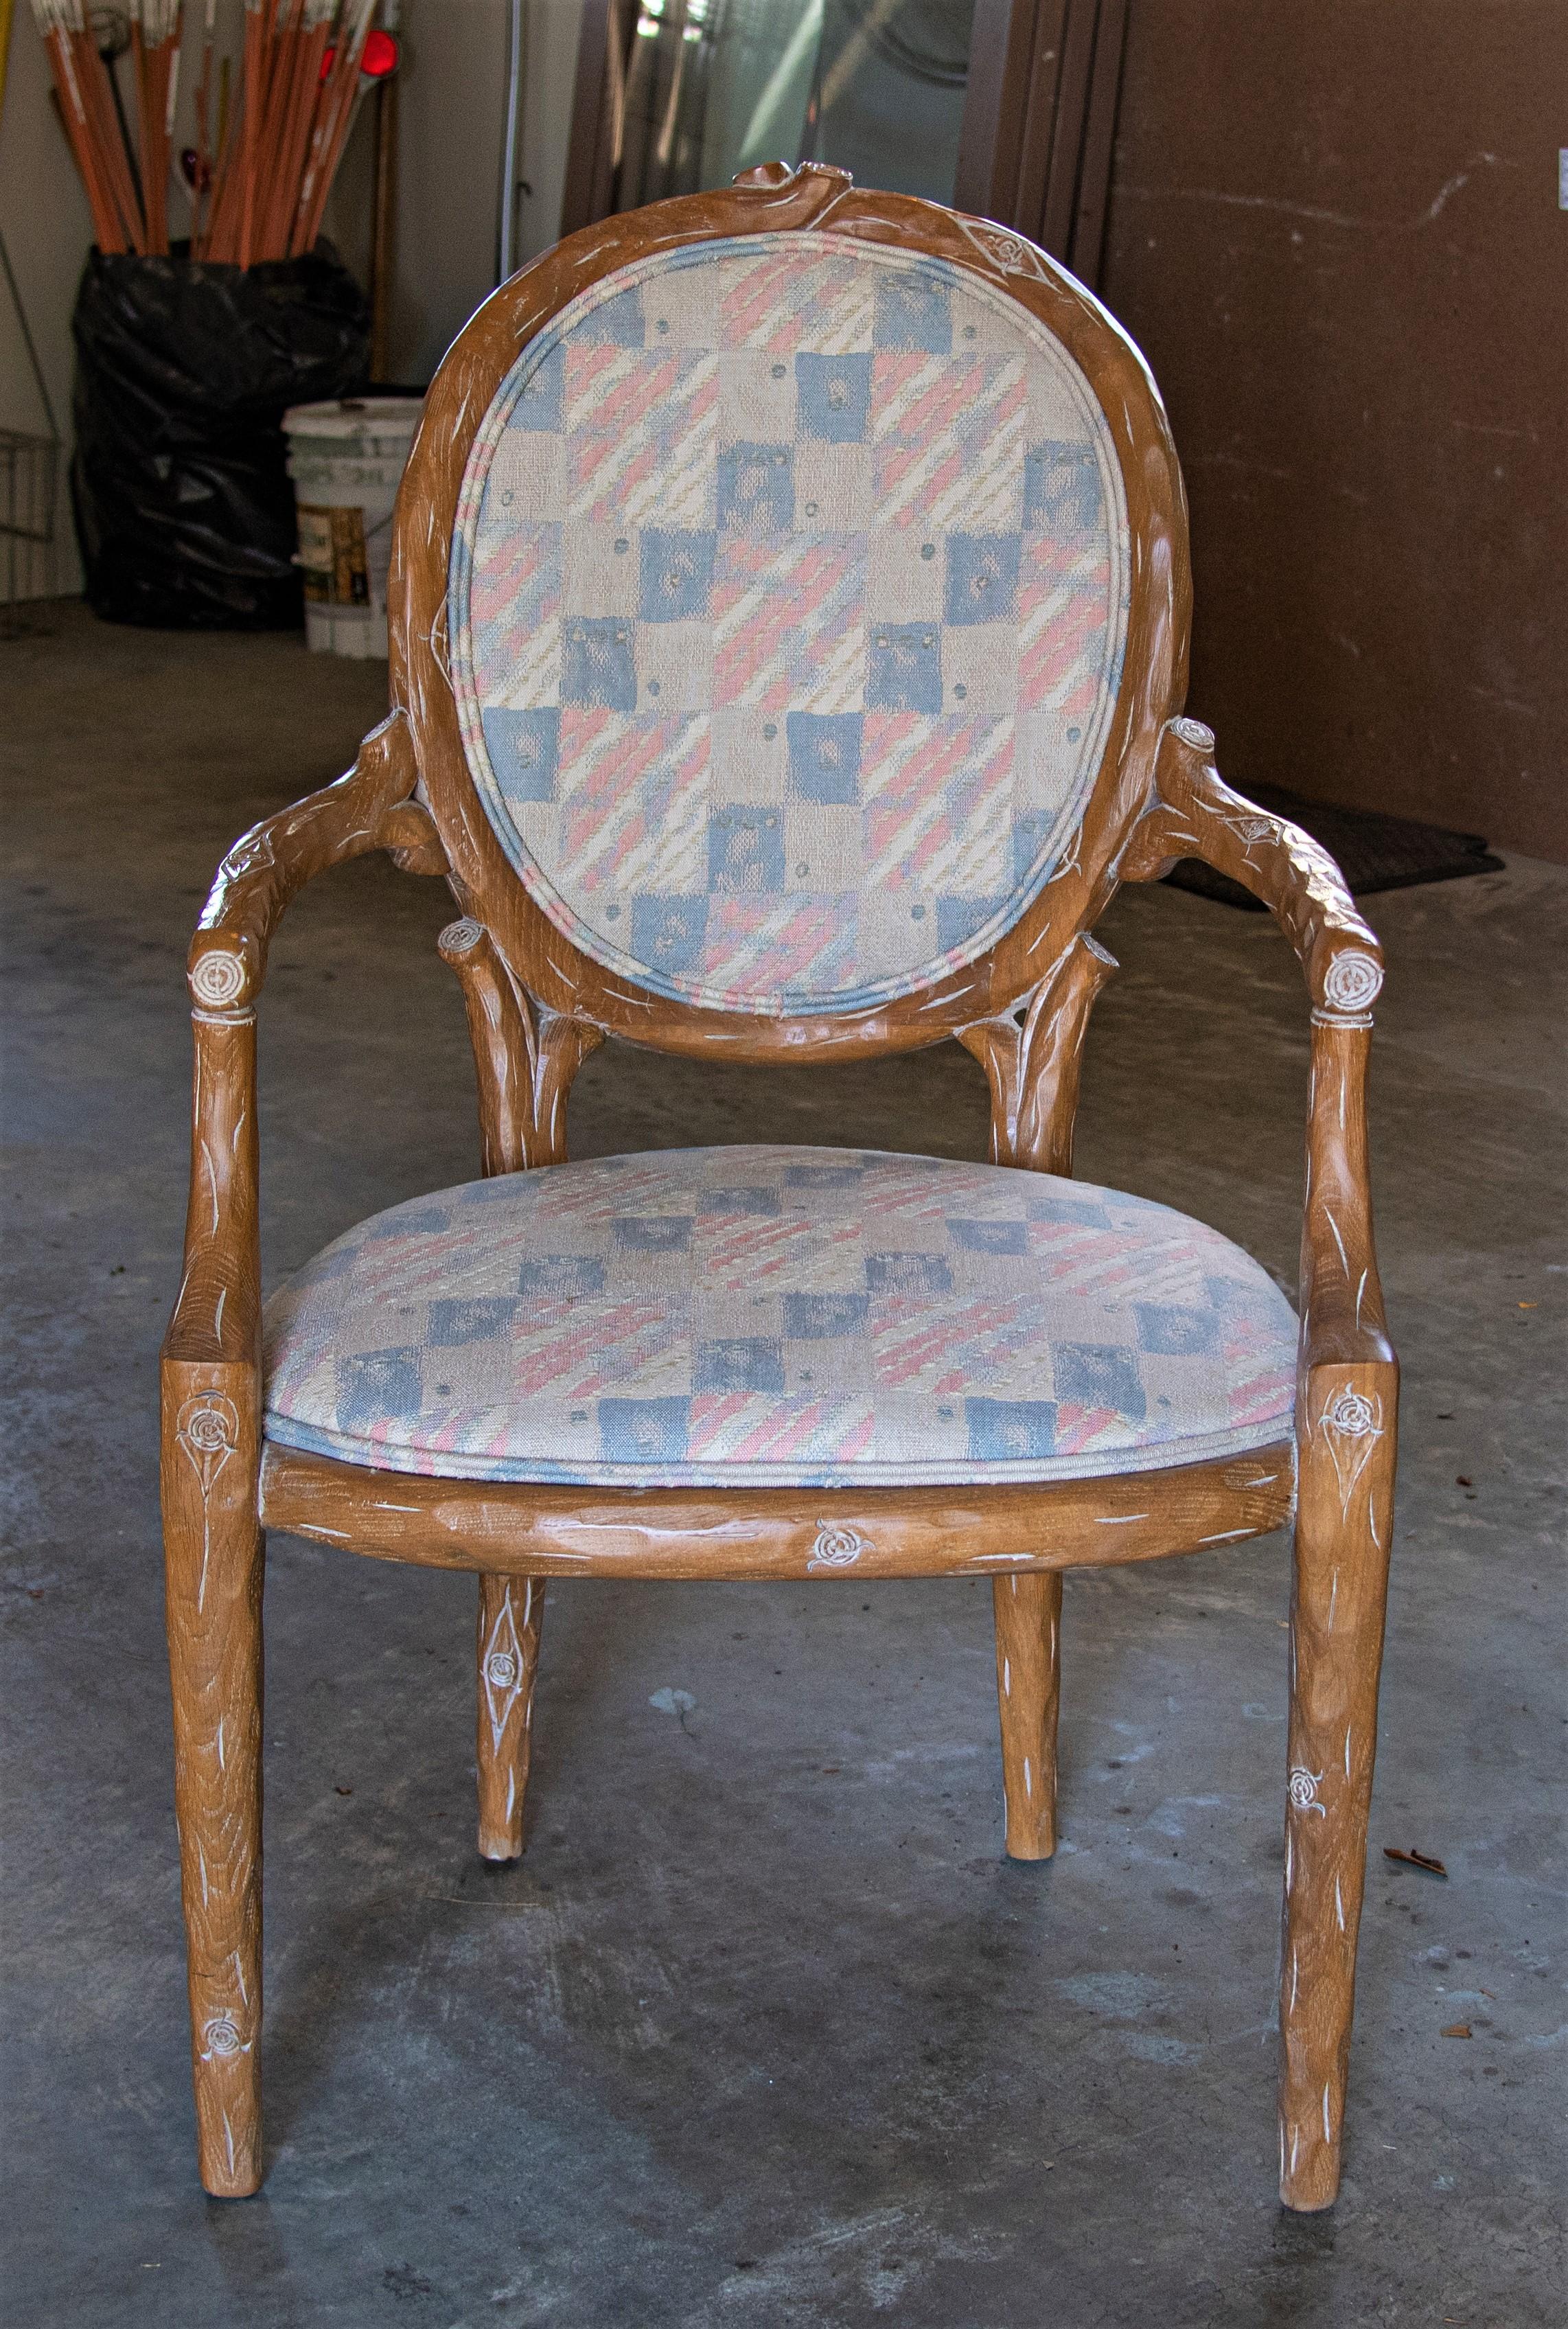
[[536, 1007]]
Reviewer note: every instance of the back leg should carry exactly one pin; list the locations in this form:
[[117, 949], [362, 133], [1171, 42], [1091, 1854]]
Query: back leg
[[1028, 1688], [511, 1614]]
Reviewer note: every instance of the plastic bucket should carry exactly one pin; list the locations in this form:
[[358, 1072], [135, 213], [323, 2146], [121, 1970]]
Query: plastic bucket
[[346, 458]]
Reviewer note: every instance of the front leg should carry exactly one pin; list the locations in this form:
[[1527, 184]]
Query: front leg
[[510, 1617], [213, 1556], [1343, 1530]]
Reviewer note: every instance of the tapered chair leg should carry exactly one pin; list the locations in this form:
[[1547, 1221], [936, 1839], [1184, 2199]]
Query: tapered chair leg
[[1028, 1686], [511, 1614], [1343, 1530], [213, 1562]]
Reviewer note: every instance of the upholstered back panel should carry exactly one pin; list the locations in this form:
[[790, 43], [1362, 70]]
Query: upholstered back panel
[[787, 602]]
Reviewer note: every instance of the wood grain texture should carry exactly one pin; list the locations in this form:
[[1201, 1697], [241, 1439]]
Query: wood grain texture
[[1033, 1058], [521, 1530], [1194, 814], [211, 1432], [1028, 1689], [213, 1561], [1347, 1412], [372, 806], [525, 1058], [525, 1055], [1343, 1526], [510, 1617]]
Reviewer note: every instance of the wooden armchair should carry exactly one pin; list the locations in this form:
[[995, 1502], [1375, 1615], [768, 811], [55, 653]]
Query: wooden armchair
[[789, 620]]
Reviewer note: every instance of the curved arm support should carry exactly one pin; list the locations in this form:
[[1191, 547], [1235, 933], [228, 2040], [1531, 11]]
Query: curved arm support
[[217, 1316], [1032, 1062], [1195, 815], [369, 807], [525, 1056]]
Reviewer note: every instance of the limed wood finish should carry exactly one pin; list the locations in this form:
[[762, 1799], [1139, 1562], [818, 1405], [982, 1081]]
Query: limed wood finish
[[1029, 1690], [525, 1057], [524, 1531], [510, 1617], [211, 1430], [535, 1008]]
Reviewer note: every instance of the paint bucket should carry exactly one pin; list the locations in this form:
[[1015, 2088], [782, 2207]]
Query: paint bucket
[[346, 460]]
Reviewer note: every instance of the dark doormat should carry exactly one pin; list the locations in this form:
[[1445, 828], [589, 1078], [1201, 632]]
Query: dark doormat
[[1372, 852]]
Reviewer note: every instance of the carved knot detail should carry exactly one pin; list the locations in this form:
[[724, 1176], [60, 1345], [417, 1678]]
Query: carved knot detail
[[1194, 733], [220, 2036], [1353, 1414], [836, 1548], [1304, 1791], [1354, 979], [218, 979], [501, 1669], [460, 937]]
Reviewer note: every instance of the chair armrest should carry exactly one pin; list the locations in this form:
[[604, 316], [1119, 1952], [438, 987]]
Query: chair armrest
[[1195, 815], [370, 807], [217, 1320]]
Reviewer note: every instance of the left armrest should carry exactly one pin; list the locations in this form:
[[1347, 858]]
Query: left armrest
[[370, 807], [216, 1322], [1195, 815]]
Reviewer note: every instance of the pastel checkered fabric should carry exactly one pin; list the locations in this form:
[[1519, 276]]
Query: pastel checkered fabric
[[778, 1316], [787, 603]]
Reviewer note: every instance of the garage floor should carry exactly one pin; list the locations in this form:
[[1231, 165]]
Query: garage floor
[[763, 2029]]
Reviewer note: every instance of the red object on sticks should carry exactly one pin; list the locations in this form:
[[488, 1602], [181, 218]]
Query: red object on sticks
[[261, 194]]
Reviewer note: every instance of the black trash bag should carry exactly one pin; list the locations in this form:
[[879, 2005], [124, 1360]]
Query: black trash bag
[[184, 508]]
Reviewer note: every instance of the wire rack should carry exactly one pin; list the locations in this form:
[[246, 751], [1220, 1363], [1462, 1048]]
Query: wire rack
[[28, 488]]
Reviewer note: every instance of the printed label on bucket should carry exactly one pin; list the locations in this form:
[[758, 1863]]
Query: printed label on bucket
[[332, 556]]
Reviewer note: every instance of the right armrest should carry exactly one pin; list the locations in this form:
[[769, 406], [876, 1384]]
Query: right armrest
[[217, 1319]]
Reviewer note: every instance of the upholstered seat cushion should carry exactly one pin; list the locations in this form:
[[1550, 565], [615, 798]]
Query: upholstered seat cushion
[[778, 1316]]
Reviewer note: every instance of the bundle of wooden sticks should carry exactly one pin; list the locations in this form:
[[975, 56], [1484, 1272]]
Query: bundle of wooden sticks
[[259, 183]]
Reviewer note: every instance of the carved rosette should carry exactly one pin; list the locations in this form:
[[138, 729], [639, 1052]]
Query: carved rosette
[[501, 1669], [1303, 1790], [1008, 252], [207, 1429], [1351, 1423], [837, 1548], [222, 2039]]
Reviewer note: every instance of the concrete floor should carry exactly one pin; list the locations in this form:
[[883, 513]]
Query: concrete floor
[[763, 2029]]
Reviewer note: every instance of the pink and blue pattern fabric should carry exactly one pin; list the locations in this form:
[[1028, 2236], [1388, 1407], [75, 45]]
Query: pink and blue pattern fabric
[[787, 603], [773, 1316]]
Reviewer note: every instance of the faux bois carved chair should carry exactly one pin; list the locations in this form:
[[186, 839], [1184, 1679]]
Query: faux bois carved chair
[[789, 618]]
